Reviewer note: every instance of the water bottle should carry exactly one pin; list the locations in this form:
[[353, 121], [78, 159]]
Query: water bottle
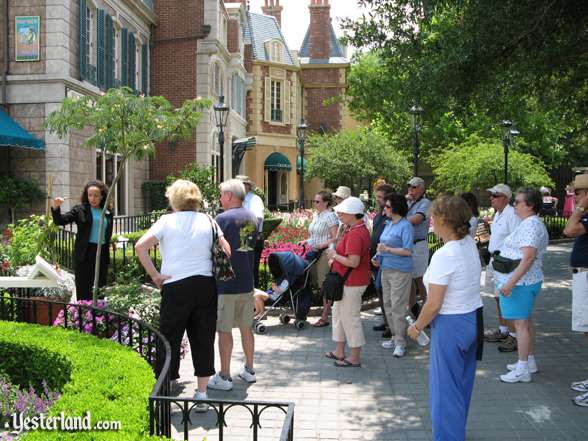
[[423, 339]]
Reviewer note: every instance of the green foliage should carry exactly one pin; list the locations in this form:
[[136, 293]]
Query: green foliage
[[155, 194], [478, 164], [108, 380], [127, 297], [203, 177], [31, 236], [470, 65], [16, 193], [355, 158]]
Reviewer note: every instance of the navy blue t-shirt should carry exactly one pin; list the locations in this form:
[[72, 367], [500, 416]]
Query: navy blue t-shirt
[[231, 223], [579, 257]]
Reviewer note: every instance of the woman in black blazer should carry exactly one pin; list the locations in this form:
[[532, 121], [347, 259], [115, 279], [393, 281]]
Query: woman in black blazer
[[86, 217]]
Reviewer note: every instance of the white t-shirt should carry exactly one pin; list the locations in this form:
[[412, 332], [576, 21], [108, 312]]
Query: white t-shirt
[[457, 266], [185, 242], [502, 225], [255, 204], [530, 233]]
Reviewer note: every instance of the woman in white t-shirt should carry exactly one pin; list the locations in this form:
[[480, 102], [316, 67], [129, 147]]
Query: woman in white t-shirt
[[453, 309], [188, 288]]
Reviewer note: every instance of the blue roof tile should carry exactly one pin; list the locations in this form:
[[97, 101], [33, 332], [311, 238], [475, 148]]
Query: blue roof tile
[[261, 28]]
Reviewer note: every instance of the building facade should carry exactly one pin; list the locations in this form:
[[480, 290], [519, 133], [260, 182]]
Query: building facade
[[85, 47]]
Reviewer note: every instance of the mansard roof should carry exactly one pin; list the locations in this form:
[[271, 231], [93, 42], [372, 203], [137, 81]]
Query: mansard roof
[[260, 28]]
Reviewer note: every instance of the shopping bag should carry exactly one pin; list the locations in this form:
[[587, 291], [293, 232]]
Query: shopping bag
[[580, 302]]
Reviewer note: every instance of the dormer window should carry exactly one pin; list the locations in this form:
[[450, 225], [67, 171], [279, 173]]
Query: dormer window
[[275, 51]]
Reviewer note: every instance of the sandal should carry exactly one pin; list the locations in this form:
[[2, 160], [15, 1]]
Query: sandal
[[346, 363], [321, 324], [332, 356]]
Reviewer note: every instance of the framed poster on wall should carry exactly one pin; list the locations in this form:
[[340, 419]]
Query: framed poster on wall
[[28, 34]]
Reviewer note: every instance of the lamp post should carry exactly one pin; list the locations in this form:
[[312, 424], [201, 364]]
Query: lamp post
[[300, 133], [221, 113], [416, 112], [509, 133]]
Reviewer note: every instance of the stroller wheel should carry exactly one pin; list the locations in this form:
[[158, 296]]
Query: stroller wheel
[[260, 328], [299, 324], [284, 319]]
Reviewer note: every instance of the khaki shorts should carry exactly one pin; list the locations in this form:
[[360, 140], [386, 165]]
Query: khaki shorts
[[234, 311]]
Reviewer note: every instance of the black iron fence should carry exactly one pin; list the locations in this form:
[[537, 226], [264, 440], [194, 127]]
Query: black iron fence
[[152, 346]]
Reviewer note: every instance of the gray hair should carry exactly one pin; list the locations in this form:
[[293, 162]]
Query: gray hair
[[234, 186]]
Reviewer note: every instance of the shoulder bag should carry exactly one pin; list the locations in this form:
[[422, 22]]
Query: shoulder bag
[[222, 269], [333, 284]]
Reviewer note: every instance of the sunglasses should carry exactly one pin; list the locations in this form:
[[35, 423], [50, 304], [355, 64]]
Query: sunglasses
[[496, 195], [388, 206]]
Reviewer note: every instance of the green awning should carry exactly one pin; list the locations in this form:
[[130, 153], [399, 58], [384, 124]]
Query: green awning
[[13, 135], [277, 161], [299, 164]]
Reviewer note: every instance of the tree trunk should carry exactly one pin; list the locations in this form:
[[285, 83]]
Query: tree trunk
[[100, 226]]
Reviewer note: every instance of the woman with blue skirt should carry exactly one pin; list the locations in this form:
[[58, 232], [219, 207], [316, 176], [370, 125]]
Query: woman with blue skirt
[[453, 310]]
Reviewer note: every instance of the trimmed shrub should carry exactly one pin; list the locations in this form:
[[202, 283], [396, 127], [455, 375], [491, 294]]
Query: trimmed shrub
[[109, 380]]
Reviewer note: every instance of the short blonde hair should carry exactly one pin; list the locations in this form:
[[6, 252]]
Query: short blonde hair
[[184, 195]]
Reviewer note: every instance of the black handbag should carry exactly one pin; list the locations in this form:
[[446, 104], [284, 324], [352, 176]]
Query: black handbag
[[485, 254], [222, 269], [333, 284], [504, 265]]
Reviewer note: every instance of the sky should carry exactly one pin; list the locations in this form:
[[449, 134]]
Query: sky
[[295, 17]]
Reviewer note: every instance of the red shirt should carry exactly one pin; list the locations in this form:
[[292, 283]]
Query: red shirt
[[356, 241]]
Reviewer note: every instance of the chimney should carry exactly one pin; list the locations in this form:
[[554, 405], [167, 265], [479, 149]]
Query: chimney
[[320, 29], [273, 8]]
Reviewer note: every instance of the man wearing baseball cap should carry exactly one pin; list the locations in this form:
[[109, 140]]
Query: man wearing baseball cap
[[504, 222], [418, 216], [577, 227]]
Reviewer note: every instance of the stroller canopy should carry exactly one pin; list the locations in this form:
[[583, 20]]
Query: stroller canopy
[[292, 265]]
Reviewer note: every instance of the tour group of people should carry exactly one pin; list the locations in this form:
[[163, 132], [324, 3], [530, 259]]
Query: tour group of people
[[442, 294]]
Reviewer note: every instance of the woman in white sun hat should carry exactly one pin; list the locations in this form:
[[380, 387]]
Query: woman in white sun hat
[[351, 257]]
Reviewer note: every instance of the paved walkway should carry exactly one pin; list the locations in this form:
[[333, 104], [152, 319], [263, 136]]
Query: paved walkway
[[386, 399]]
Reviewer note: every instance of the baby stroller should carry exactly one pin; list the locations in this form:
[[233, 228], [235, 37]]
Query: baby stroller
[[293, 272]]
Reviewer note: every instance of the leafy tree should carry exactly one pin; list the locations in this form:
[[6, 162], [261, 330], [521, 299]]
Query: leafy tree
[[355, 158], [478, 164], [472, 63], [203, 177], [126, 124], [16, 193]]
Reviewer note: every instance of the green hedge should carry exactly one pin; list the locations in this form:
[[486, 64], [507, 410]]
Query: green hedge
[[100, 376]]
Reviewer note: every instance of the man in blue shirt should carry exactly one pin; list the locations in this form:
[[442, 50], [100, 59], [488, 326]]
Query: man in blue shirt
[[577, 227], [235, 301], [418, 216]]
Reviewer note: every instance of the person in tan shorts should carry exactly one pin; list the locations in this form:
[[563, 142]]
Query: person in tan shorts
[[235, 299]]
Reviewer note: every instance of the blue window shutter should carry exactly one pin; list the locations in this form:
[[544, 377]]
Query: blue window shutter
[[132, 61], [145, 68], [101, 53], [83, 40], [124, 57], [109, 52]]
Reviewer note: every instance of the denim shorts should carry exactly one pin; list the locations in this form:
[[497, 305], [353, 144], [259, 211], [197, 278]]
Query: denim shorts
[[519, 304]]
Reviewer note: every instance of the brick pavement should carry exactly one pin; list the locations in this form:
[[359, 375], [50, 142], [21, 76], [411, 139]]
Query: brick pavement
[[386, 399]]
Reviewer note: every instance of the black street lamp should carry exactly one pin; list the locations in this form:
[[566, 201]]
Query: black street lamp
[[300, 133], [221, 113], [416, 112], [509, 133]]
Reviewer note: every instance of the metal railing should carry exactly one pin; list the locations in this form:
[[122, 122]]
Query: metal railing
[[152, 346], [132, 224]]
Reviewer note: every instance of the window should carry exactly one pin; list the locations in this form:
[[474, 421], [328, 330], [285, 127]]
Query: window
[[217, 80], [276, 101], [107, 166], [238, 94], [275, 51], [215, 159]]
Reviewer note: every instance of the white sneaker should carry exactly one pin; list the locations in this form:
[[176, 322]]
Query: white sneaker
[[399, 351], [219, 383], [388, 344], [581, 400], [249, 377], [580, 386], [200, 407], [533, 369], [516, 376]]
